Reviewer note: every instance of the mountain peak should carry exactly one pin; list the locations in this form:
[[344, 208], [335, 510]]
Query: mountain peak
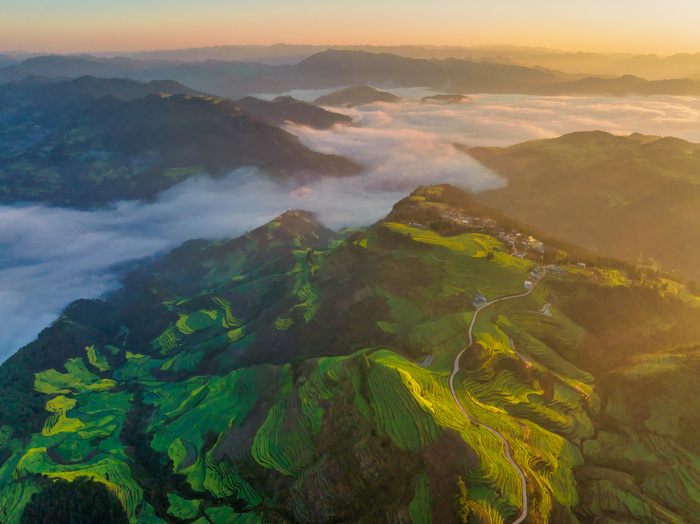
[[356, 95], [285, 109], [295, 222]]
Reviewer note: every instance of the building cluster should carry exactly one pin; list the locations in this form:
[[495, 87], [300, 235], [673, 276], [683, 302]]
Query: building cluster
[[486, 225], [520, 245], [537, 272]]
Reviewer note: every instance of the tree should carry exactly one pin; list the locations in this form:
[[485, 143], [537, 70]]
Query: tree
[[461, 501], [82, 501]]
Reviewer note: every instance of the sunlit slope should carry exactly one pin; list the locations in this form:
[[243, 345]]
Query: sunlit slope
[[299, 375], [647, 445], [627, 196]]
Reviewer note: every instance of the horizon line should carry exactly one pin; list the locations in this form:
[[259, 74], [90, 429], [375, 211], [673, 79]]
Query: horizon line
[[20, 53]]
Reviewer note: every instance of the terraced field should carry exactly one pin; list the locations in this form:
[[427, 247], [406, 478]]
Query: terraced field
[[295, 375], [523, 514]]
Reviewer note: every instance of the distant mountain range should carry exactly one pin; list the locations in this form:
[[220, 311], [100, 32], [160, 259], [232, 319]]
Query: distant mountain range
[[356, 68], [342, 68], [211, 77], [621, 86], [73, 66], [91, 141], [6, 60], [300, 375], [628, 196], [651, 66]]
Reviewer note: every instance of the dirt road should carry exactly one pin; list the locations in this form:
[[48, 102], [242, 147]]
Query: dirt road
[[455, 370]]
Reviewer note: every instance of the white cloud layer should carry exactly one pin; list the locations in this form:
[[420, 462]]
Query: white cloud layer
[[52, 256]]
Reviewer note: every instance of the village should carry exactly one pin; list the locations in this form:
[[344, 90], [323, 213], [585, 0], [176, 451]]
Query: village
[[519, 246], [549, 259]]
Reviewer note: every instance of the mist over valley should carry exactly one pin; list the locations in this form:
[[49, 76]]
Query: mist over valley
[[70, 253], [371, 283]]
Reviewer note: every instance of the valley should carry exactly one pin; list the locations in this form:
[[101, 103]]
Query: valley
[[263, 364], [372, 284]]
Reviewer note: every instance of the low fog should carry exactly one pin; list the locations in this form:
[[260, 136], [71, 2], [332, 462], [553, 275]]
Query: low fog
[[52, 256]]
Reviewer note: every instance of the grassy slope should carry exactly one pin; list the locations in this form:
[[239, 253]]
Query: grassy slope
[[274, 378]]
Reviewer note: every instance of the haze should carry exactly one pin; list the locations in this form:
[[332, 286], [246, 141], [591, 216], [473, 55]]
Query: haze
[[131, 25], [503, 324]]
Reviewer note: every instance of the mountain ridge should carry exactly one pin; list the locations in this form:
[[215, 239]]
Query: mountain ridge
[[285, 109], [652, 66], [35, 107], [594, 188], [356, 95], [98, 147], [336, 68], [274, 377]]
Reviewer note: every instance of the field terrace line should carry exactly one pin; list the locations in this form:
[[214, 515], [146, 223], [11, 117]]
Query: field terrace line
[[523, 515]]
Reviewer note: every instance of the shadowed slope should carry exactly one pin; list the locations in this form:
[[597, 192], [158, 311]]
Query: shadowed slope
[[625, 196], [120, 149], [285, 109]]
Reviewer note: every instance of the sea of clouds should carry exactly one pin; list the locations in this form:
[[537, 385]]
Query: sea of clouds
[[52, 256]]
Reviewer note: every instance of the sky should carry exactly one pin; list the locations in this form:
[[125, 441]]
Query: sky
[[63, 26], [52, 256]]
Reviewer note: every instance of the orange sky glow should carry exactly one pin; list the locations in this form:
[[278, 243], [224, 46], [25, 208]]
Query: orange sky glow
[[595, 25]]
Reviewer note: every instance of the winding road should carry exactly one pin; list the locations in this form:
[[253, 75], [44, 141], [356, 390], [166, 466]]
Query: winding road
[[509, 456]]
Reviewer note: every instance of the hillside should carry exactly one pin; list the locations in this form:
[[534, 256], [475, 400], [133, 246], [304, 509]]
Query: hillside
[[447, 99], [36, 107], [625, 85], [300, 375], [284, 109], [625, 196], [356, 96], [129, 149]]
